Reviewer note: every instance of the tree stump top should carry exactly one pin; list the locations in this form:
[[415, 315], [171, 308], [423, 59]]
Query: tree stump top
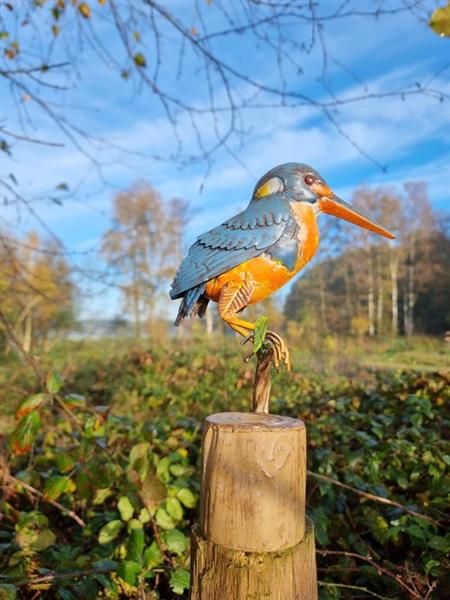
[[253, 421]]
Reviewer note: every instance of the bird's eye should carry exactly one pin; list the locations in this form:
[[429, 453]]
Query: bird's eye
[[309, 179]]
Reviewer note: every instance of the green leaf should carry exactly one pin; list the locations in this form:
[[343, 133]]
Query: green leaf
[[179, 581], [139, 60], [144, 516], [30, 404], [174, 508], [129, 570], [175, 541], [8, 591], [187, 497], [94, 427], [135, 545], [440, 543], [139, 459], [440, 21], [24, 435], [54, 383], [56, 486], [75, 401], [33, 533], [101, 495], [260, 333], [152, 556], [110, 531], [125, 508], [163, 519]]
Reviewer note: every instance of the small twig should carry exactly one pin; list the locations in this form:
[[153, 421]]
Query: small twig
[[381, 570], [374, 497], [352, 587], [36, 492], [69, 575], [25, 138]]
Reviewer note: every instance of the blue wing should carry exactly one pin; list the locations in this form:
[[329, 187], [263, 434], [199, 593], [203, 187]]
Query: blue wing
[[248, 234]]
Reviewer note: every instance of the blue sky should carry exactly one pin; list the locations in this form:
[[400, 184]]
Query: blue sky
[[410, 137]]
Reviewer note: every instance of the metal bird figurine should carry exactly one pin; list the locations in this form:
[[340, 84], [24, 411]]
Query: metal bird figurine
[[256, 252]]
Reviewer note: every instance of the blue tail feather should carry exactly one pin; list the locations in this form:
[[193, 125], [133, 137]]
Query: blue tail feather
[[192, 304]]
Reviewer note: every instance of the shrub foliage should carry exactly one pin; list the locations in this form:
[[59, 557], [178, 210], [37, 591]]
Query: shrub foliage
[[100, 477]]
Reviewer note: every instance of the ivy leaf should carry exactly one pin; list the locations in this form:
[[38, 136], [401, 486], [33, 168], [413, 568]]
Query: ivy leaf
[[260, 333], [174, 508], [33, 533], [56, 486], [152, 556], [187, 497], [135, 545], [175, 541], [110, 531], [24, 435], [179, 581], [129, 570], [74, 401], [440, 21], [163, 519], [54, 383], [30, 404], [125, 508]]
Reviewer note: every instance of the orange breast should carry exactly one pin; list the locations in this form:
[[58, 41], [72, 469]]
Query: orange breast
[[271, 275]]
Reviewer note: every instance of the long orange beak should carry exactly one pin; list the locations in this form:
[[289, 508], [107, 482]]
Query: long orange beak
[[333, 205]]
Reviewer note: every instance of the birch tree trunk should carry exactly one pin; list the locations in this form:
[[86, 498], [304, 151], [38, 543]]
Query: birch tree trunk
[[393, 263], [371, 296], [380, 298], [409, 299]]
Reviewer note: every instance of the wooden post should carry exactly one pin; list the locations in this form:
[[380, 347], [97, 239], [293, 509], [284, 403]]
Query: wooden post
[[252, 541]]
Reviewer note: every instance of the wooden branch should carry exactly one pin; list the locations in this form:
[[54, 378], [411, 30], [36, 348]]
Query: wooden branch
[[69, 575], [262, 382], [381, 570], [374, 497], [351, 587], [39, 494]]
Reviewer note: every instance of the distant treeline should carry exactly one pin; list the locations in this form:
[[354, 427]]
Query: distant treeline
[[367, 285]]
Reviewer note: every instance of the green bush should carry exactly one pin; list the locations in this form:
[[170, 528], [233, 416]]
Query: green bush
[[101, 487]]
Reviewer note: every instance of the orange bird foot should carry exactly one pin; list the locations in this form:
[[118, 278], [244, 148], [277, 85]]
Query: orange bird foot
[[276, 346]]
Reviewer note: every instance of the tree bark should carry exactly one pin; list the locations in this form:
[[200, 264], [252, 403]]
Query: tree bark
[[371, 296], [394, 291], [253, 481], [380, 298], [252, 541], [221, 573]]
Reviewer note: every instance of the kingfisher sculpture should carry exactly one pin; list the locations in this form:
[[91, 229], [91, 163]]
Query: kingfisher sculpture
[[256, 252]]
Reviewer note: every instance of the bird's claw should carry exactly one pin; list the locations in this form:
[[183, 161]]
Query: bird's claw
[[278, 348]]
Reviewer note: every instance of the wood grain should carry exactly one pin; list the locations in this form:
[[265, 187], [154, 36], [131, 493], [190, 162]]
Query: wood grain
[[219, 573], [253, 481]]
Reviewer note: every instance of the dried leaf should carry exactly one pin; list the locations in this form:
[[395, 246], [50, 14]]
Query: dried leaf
[[85, 10], [139, 60], [440, 21]]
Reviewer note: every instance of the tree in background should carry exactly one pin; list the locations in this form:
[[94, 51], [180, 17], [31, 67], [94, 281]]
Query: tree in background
[[375, 286], [144, 248], [36, 291]]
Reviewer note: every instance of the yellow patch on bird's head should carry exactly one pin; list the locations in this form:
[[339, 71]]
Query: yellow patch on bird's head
[[274, 185]]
